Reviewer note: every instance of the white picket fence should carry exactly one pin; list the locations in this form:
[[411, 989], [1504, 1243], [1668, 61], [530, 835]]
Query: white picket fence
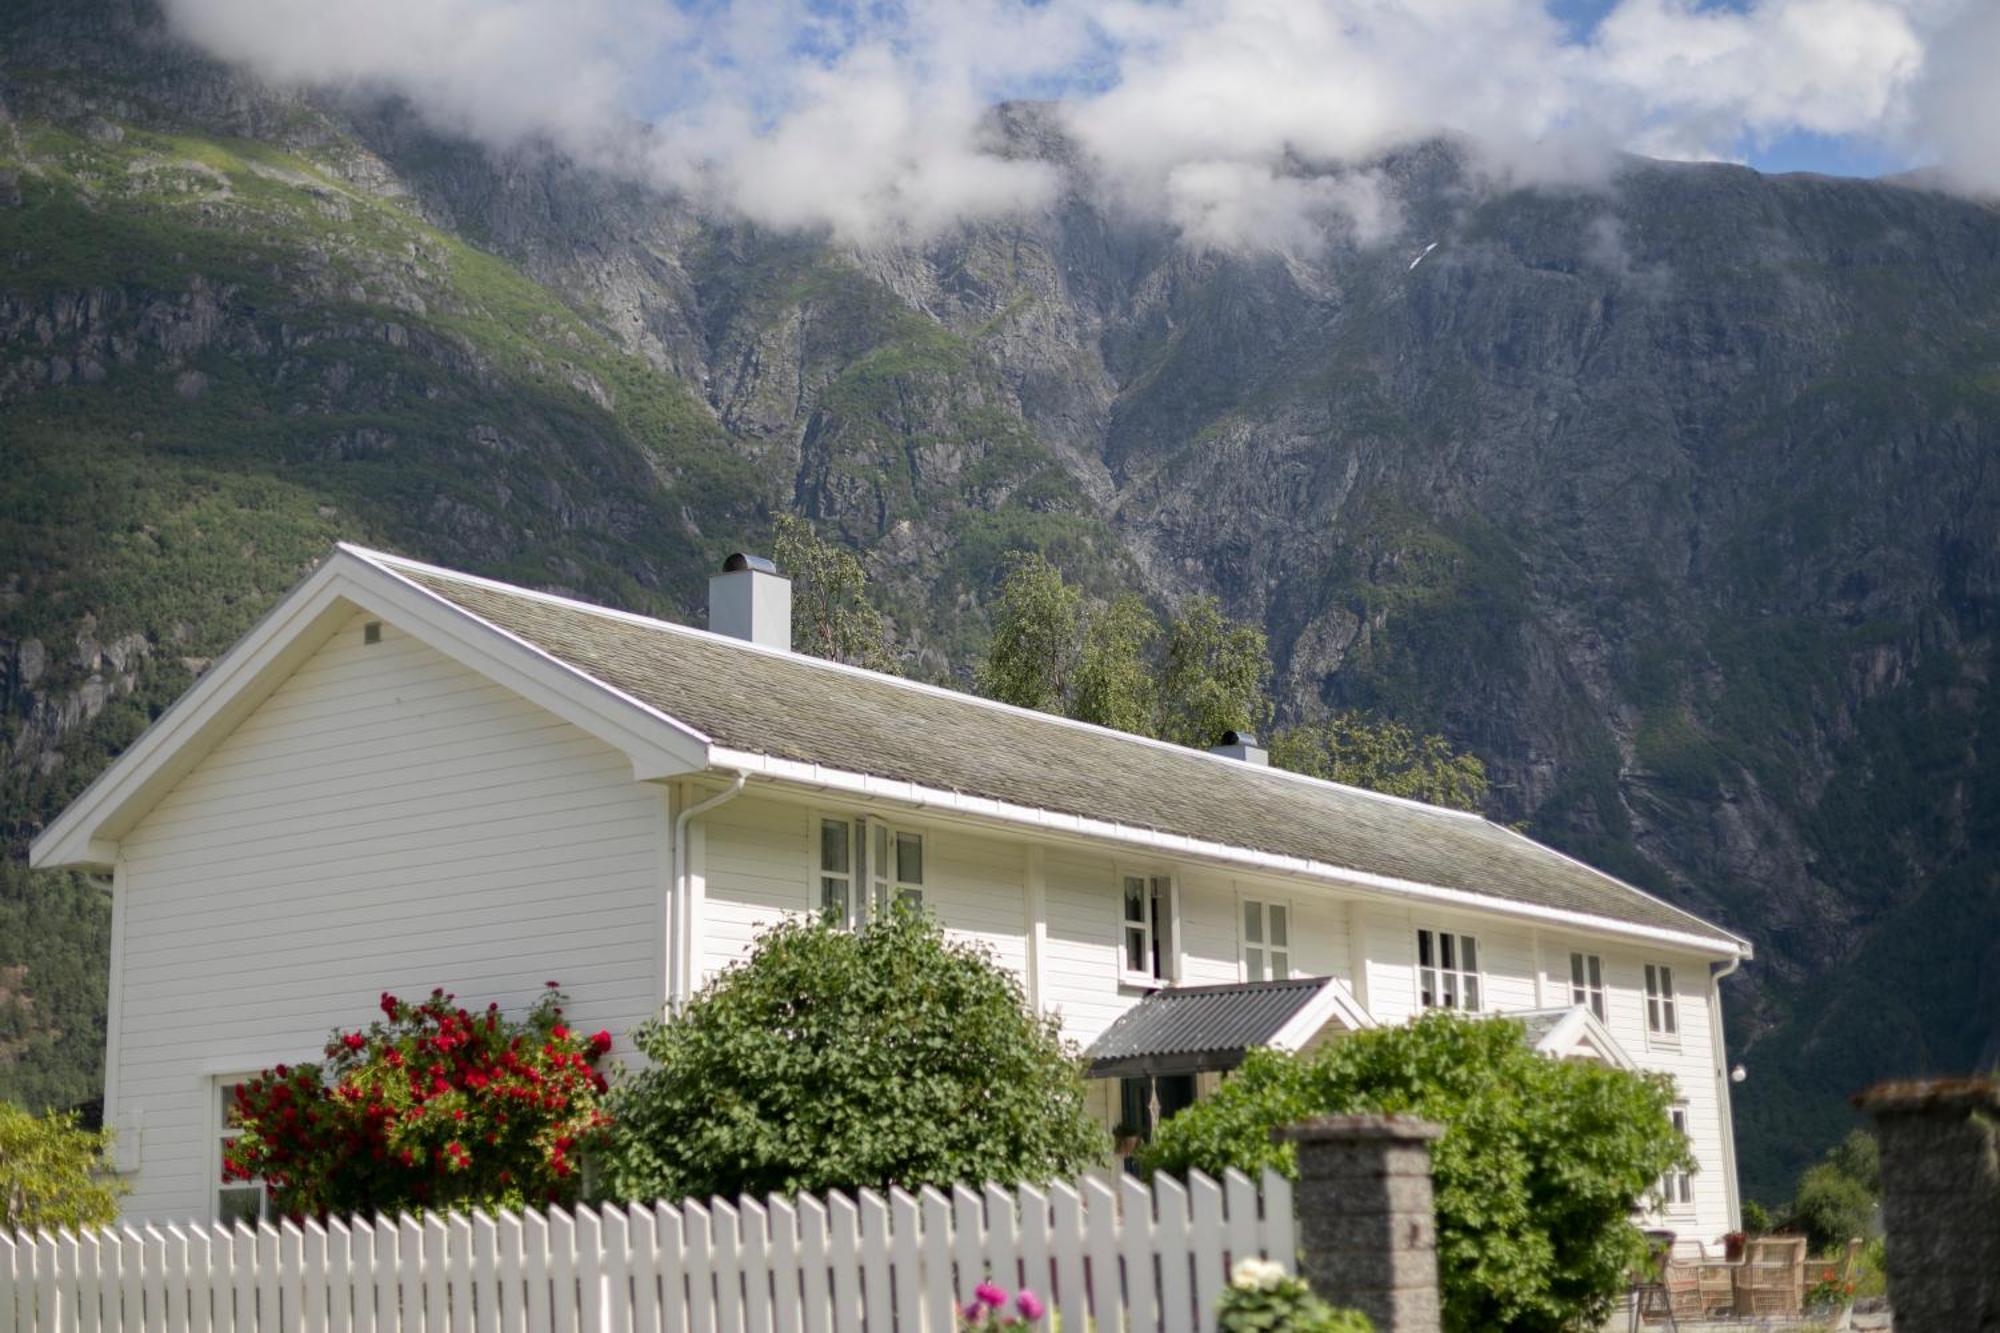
[[1108, 1255]]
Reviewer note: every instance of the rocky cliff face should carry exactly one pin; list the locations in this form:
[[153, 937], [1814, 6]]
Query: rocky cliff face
[[1672, 498]]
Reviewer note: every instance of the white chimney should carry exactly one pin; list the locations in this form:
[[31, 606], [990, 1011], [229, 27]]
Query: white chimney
[[1241, 745], [751, 600]]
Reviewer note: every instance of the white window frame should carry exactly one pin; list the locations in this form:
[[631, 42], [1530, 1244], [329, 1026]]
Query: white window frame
[[219, 1132], [1677, 1187], [1663, 1025], [868, 889], [1586, 983], [1467, 985], [1273, 962], [1160, 934]]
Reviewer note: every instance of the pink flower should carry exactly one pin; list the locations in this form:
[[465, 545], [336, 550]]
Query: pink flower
[[988, 1294], [1029, 1304]]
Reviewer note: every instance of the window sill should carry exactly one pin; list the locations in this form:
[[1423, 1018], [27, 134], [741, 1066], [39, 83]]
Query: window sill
[[1140, 981], [1661, 1041]]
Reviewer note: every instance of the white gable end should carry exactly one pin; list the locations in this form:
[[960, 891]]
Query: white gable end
[[387, 819]]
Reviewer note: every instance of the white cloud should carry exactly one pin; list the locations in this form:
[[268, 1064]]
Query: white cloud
[[1956, 105], [1245, 123]]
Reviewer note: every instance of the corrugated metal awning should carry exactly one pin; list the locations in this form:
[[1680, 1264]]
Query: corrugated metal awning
[[1197, 1029]]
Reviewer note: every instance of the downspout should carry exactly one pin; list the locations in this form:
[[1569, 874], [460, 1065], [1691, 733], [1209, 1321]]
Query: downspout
[[1715, 976], [680, 960]]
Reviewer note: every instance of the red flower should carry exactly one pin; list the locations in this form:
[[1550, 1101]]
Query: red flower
[[354, 1041], [600, 1042]]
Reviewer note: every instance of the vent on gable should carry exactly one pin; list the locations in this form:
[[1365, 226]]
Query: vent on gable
[[372, 632]]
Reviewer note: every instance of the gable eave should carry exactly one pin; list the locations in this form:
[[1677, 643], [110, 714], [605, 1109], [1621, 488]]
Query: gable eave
[[85, 836]]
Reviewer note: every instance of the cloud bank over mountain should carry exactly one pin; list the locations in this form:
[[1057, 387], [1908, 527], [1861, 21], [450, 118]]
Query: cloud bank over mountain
[[1243, 123]]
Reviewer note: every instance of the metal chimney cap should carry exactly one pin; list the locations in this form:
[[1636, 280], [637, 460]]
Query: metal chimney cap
[[739, 561], [1237, 738]]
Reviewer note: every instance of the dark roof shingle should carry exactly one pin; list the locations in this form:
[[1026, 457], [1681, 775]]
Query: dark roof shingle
[[797, 708]]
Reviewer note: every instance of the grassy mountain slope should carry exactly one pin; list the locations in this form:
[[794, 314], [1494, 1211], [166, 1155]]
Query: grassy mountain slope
[[1674, 499]]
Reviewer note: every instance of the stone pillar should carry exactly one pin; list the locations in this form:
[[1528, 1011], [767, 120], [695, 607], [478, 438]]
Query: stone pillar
[[1940, 1201], [1367, 1224]]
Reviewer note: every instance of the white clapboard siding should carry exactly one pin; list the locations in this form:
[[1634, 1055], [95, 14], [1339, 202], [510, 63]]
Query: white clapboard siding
[[1121, 1260], [386, 820]]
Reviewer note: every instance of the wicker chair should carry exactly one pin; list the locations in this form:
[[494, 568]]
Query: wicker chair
[[1772, 1279]]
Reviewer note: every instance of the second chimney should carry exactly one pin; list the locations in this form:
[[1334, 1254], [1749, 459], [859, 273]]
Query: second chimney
[[751, 600], [1241, 745]]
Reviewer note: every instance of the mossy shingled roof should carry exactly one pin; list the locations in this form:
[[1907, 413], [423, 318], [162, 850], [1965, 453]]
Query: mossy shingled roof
[[794, 707]]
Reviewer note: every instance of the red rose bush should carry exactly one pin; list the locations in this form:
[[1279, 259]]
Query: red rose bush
[[430, 1107]]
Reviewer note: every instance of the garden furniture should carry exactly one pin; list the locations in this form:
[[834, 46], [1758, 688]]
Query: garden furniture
[[1772, 1279]]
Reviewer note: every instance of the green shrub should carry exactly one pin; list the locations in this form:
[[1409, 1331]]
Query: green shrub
[[51, 1173], [1263, 1298], [1756, 1218], [1831, 1207], [1540, 1167], [834, 1059]]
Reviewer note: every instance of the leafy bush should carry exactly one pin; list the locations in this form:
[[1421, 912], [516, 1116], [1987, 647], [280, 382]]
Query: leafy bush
[[51, 1173], [835, 1059], [1541, 1164], [1831, 1207], [1756, 1218], [432, 1106], [1836, 1196], [1263, 1298]]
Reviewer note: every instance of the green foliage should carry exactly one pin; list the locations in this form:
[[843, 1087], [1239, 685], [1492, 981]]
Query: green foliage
[[1037, 626], [1836, 1196], [1382, 755], [1830, 1207], [1262, 1298], [1098, 662], [1859, 1158], [1756, 1218], [52, 1173], [834, 1059], [1214, 676], [1540, 1167], [433, 1107], [1112, 664], [831, 614], [1114, 685]]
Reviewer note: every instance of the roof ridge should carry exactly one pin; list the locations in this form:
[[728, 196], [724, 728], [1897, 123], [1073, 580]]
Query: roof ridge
[[903, 682]]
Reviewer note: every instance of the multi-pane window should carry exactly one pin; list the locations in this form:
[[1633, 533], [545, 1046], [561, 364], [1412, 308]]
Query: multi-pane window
[[889, 862], [1586, 982], [1447, 970], [1267, 941], [235, 1200], [1147, 940], [1677, 1187], [1661, 1020], [836, 868], [896, 868]]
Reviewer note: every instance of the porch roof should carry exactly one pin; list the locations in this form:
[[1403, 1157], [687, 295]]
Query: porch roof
[[1199, 1029]]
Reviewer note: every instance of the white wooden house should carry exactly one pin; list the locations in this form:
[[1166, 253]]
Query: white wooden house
[[406, 777]]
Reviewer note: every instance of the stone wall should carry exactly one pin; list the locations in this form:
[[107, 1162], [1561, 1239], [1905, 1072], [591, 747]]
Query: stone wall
[[1941, 1201]]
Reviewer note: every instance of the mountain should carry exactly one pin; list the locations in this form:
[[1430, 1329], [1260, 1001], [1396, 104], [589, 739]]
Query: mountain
[[1674, 498]]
